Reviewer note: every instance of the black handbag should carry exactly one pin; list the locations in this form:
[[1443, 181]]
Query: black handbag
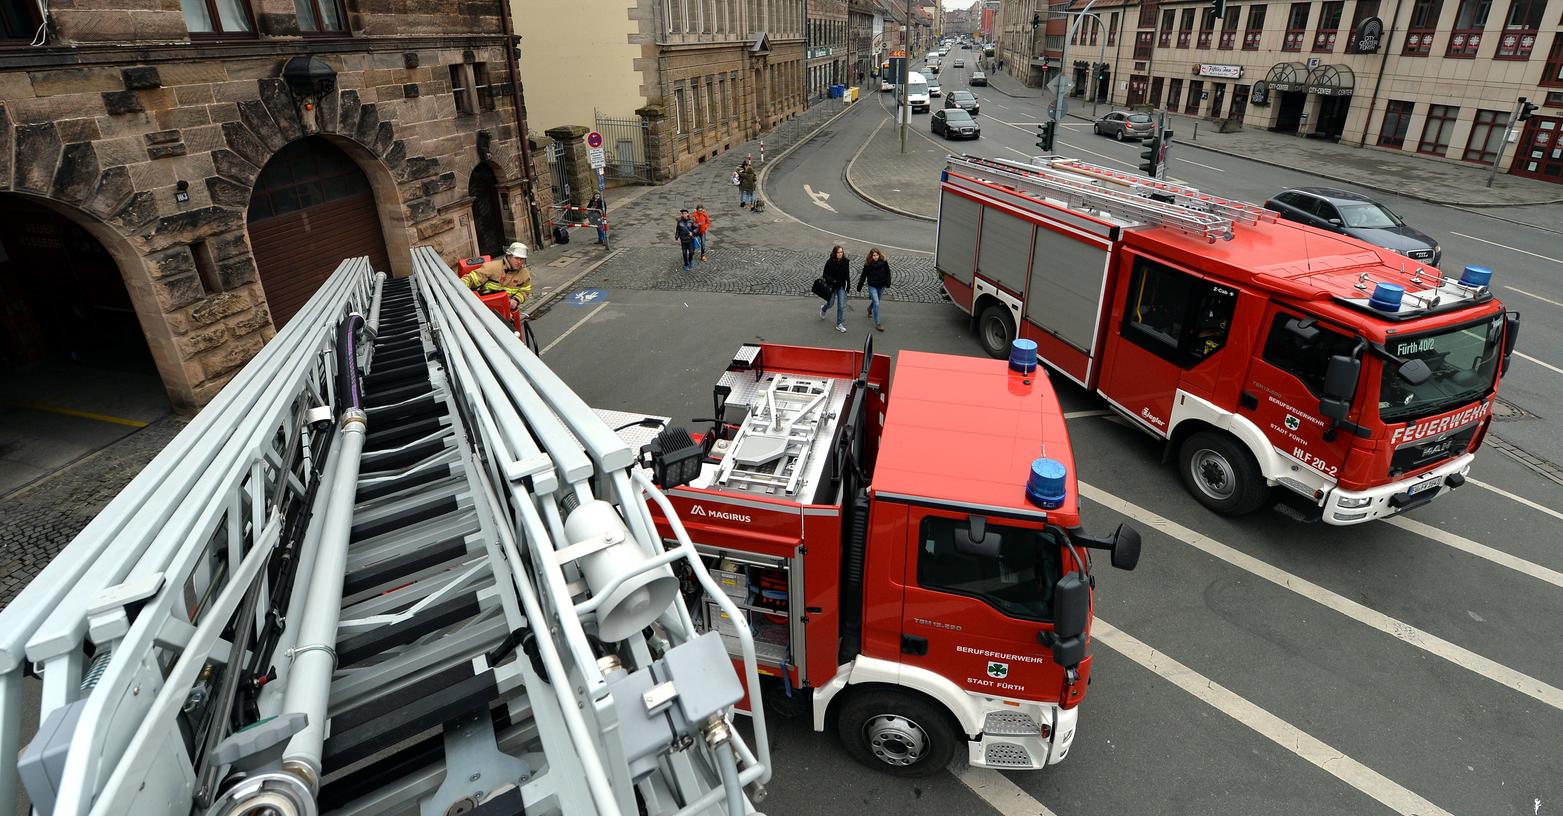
[[823, 289]]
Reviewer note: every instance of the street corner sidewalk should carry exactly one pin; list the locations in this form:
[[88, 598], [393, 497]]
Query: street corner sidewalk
[[905, 183], [1005, 84]]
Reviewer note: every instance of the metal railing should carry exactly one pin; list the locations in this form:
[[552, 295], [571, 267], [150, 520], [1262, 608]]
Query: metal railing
[[624, 148]]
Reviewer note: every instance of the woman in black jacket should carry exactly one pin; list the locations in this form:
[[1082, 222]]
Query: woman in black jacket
[[876, 273], [838, 272]]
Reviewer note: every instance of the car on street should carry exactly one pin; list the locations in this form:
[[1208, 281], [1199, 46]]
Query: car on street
[[1124, 125], [954, 123], [965, 46], [1358, 216], [979, 78], [963, 100], [960, 63], [933, 87], [933, 68]]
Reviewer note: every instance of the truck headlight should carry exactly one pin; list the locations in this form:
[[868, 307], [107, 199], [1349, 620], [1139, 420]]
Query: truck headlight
[[1351, 504]]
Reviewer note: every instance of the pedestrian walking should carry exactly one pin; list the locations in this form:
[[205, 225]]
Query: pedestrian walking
[[876, 273], [748, 180], [684, 231], [597, 211], [738, 180], [837, 274], [702, 230]]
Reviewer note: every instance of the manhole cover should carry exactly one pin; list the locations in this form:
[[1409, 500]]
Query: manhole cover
[[1505, 411]]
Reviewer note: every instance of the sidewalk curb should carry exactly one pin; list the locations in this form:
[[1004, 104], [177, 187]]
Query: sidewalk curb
[[759, 183], [846, 176], [543, 301]]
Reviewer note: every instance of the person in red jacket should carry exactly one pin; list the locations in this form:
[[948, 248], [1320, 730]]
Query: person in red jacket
[[702, 225]]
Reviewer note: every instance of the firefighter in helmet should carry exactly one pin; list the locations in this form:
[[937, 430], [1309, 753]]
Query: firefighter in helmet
[[507, 273]]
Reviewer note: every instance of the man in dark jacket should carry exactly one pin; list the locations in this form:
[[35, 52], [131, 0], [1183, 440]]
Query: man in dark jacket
[[876, 273], [685, 232]]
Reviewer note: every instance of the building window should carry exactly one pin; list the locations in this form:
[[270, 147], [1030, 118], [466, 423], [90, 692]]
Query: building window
[[676, 15], [1468, 24], [1112, 30], [320, 16], [1142, 45], [1256, 28], [1148, 10], [1207, 28], [1229, 29], [217, 16], [1168, 18], [679, 105], [1329, 26], [1552, 75], [1519, 29], [19, 20], [459, 88], [481, 87], [712, 109], [1486, 140], [1296, 28], [1397, 117], [1365, 9], [1420, 28], [1435, 132], [1185, 28], [1196, 87], [1174, 93]]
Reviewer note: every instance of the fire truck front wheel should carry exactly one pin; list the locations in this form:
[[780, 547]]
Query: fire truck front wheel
[[995, 330], [1221, 473], [898, 733]]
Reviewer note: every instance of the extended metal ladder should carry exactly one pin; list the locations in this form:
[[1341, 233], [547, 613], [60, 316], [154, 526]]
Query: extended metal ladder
[[1082, 185]]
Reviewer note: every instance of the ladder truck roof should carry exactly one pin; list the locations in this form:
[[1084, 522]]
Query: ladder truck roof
[[1236, 240]]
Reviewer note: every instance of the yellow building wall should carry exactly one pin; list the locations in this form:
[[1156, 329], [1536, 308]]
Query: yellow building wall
[[577, 58]]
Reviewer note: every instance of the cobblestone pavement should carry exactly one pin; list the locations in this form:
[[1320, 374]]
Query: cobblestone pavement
[[753, 272], [37, 521]]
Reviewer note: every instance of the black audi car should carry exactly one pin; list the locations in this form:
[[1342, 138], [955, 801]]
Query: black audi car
[[1356, 215], [965, 100]]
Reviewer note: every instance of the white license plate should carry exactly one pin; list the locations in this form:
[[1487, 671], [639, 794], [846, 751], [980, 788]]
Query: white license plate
[[1422, 488]]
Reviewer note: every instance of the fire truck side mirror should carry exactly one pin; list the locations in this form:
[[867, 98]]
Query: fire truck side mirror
[[1340, 385], [1071, 610], [1126, 547], [1511, 337]]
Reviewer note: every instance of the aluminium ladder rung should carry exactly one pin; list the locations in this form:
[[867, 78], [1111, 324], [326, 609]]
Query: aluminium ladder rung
[[421, 713]]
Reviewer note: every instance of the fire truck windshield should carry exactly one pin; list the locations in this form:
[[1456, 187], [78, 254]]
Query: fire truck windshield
[[1463, 361], [1012, 569]]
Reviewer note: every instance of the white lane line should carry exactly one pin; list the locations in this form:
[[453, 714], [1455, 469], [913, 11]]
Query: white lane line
[[571, 330], [1500, 491], [1466, 545], [1096, 412], [1506, 246], [1013, 150], [1330, 760], [1002, 795], [1195, 163], [1534, 295], [1525, 356], [1433, 645]]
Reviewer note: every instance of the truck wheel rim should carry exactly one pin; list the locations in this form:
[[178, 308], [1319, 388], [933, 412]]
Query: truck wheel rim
[[895, 740], [995, 332], [1214, 474]]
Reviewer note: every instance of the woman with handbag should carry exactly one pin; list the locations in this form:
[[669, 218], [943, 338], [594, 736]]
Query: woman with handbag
[[838, 272]]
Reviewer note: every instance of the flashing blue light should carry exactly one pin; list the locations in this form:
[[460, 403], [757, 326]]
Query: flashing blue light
[[944, 175], [1045, 486], [1476, 276], [1023, 356], [1386, 297]]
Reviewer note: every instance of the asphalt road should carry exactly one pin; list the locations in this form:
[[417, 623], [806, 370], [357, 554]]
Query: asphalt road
[[1527, 262], [1417, 670]]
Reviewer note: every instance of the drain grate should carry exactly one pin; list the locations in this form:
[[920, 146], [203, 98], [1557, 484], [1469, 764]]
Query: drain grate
[[1503, 411]]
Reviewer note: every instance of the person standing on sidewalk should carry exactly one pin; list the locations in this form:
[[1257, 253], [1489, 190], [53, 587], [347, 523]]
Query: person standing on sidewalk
[[702, 229], [597, 211], [684, 231], [838, 273], [876, 273], [748, 180]]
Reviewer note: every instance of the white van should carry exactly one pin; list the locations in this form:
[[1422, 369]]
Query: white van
[[917, 92]]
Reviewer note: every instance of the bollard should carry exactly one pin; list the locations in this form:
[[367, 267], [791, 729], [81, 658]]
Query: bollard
[[762, 151], [1196, 132]]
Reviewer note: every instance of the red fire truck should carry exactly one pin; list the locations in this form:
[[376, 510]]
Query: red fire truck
[[912, 566], [1263, 352]]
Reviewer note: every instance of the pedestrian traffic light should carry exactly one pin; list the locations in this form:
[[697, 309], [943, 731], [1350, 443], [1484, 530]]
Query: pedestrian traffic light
[[1218, 8], [1526, 109], [1045, 133], [1151, 155]]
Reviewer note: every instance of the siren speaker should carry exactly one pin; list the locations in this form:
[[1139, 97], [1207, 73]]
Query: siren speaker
[[635, 602]]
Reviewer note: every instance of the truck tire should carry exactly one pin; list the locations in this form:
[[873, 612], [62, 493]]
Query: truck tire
[[896, 732], [995, 330], [1221, 474]]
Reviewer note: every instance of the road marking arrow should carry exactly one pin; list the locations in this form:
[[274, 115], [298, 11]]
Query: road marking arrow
[[819, 199]]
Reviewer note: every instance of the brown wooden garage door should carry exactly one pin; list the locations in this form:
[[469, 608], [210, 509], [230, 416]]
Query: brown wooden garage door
[[311, 208]]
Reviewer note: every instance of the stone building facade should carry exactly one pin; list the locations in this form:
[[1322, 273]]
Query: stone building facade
[[862, 56], [1030, 39], [197, 169], [827, 45]]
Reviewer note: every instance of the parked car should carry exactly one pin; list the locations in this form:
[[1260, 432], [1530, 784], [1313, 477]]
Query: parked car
[[1125, 125], [933, 87], [979, 78], [1358, 216], [965, 46], [933, 68], [960, 63], [954, 123], [964, 100]]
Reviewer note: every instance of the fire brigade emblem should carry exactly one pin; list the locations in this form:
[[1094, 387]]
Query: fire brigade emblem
[[1291, 423], [997, 669]]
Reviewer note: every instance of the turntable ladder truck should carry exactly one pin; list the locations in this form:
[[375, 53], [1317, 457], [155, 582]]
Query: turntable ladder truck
[[395, 567], [1261, 352]]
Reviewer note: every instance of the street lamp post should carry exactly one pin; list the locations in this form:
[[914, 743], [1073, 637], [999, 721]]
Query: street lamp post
[[1060, 99]]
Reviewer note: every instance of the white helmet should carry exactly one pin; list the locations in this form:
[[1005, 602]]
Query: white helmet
[[516, 250]]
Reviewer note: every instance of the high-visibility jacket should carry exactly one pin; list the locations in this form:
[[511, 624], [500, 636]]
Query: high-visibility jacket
[[495, 277]]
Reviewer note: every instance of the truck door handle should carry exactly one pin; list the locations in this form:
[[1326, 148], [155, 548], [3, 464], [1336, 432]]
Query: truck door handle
[[914, 645]]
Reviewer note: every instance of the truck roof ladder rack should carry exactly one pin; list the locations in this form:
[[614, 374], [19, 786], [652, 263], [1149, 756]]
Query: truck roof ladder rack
[[770, 452], [1242, 211]]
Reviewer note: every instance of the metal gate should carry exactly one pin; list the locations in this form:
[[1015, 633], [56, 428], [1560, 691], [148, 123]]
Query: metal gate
[[624, 146], [556, 174]]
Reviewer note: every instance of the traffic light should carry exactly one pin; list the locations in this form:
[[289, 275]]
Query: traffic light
[[1045, 133], [1101, 72], [1150, 157], [1526, 109], [1218, 8]]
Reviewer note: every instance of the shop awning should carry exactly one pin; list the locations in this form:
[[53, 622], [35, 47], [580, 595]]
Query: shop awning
[[1287, 76], [1331, 80]]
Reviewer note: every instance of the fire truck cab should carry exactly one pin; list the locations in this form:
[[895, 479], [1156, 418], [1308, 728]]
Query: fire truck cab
[[1264, 353], [912, 566]]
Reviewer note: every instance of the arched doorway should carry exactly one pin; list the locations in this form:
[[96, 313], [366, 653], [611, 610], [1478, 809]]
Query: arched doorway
[[76, 371], [312, 207], [483, 187]]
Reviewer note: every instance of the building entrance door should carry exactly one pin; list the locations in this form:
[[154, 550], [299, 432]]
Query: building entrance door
[[1289, 110], [1540, 153]]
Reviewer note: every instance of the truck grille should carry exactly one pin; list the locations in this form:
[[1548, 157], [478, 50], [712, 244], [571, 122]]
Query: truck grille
[[1007, 755], [1420, 254], [1010, 724], [1425, 452]]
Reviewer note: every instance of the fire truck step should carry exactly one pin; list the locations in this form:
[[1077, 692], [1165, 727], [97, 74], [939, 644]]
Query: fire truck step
[[337, 793], [434, 507], [390, 415], [407, 481], [395, 724], [398, 458], [438, 616], [391, 375], [392, 569]]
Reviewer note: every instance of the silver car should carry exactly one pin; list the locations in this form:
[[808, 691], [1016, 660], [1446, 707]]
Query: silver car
[[1125, 125]]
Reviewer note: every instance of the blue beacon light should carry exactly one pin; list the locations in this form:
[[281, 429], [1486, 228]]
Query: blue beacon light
[[1386, 297], [1023, 356], [1476, 276], [1045, 485]]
